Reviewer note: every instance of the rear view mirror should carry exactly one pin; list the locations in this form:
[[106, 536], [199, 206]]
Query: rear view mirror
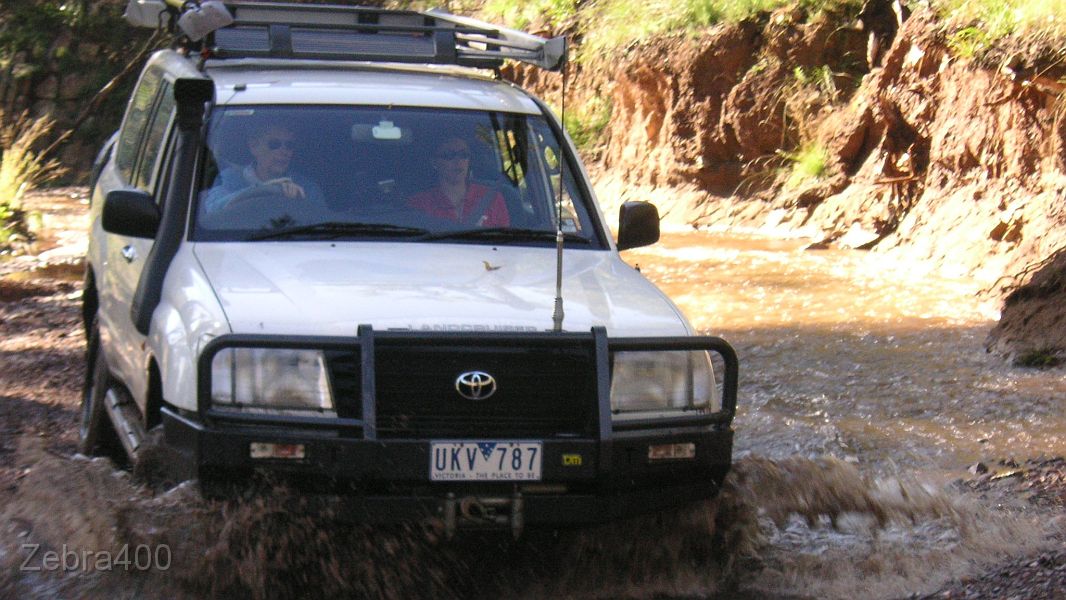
[[132, 213], [638, 225]]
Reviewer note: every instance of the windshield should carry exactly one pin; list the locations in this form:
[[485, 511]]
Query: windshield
[[418, 174]]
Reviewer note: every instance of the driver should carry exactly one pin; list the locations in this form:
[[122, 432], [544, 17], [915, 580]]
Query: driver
[[272, 148]]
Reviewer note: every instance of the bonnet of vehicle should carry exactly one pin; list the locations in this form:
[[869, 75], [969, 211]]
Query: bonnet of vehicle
[[324, 288]]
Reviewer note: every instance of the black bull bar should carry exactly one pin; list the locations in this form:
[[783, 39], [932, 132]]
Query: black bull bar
[[367, 339], [609, 486]]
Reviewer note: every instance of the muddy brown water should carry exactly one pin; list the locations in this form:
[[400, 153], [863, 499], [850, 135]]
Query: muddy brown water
[[856, 354], [865, 393]]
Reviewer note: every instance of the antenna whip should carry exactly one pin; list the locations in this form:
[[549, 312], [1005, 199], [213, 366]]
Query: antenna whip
[[557, 315]]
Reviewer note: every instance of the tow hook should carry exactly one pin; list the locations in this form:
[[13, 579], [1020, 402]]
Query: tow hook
[[484, 510]]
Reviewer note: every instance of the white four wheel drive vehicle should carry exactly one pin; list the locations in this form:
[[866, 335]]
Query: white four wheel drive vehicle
[[330, 244]]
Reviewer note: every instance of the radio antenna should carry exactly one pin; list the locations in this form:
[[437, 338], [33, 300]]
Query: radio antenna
[[557, 315]]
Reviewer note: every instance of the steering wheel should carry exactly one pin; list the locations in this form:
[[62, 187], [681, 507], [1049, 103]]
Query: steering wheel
[[258, 205]]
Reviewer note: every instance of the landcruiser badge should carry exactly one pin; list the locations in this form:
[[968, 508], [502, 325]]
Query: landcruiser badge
[[475, 385]]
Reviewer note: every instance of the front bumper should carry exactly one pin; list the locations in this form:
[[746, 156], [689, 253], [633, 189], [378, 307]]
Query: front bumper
[[387, 480], [600, 470]]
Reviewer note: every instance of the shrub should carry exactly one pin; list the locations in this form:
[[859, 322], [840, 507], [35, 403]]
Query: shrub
[[811, 161], [519, 14], [1043, 358], [820, 78], [988, 21], [21, 169], [587, 123]]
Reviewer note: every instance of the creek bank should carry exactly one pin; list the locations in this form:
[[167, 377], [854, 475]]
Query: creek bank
[[782, 126]]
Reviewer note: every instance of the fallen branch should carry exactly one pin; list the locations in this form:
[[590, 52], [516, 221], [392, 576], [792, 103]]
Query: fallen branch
[[1013, 281], [899, 179], [103, 93]]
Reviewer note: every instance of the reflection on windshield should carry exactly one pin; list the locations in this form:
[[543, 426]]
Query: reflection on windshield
[[403, 174]]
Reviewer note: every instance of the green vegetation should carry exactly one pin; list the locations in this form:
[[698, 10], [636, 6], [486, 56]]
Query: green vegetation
[[21, 168], [968, 42], [611, 24], [587, 124], [1043, 358], [809, 162], [520, 14], [619, 23], [73, 48], [820, 78], [988, 21]]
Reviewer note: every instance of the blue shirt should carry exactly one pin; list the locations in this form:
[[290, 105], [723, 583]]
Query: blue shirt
[[234, 180]]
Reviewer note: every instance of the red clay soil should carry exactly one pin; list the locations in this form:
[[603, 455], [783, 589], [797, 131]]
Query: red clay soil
[[928, 154]]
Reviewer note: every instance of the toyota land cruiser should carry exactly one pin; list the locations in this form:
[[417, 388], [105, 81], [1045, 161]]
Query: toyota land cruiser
[[329, 243]]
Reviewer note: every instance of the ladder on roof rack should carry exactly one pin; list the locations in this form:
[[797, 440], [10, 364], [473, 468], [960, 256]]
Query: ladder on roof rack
[[356, 33]]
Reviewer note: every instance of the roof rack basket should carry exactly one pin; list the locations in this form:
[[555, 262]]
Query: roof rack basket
[[351, 33]]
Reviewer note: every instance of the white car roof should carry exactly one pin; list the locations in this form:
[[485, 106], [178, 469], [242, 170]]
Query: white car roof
[[272, 81]]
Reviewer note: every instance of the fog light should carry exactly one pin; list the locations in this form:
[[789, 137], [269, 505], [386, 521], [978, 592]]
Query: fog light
[[280, 451], [672, 451]]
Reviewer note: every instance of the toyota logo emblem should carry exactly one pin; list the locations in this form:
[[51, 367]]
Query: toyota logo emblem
[[475, 385]]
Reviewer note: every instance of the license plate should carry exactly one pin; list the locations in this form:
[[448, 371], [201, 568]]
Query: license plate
[[484, 461]]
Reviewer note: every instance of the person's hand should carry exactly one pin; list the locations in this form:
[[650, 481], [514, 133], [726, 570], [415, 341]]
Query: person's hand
[[290, 188]]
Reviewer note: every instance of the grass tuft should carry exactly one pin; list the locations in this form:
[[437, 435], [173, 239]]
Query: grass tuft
[[21, 169], [809, 162], [1043, 358], [820, 78]]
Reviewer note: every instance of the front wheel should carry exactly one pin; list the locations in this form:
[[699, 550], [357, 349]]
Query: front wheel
[[96, 434]]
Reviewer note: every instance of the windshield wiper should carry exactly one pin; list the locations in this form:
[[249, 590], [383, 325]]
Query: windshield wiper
[[332, 229], [503, 233]]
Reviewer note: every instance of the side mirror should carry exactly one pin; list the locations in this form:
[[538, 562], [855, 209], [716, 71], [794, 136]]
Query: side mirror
[[638, 225], [132, 213]]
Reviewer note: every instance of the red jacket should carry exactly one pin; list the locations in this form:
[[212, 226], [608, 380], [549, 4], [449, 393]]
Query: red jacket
[[435, 203]]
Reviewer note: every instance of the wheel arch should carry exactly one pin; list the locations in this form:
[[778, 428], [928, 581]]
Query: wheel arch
[[90, 300], [154, 398]]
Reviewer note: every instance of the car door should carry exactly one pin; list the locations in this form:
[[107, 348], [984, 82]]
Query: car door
[[140, 156]]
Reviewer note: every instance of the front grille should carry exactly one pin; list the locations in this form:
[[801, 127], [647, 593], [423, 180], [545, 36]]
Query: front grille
[[541, 391]]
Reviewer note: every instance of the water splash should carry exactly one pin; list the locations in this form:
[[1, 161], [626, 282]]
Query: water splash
[[780, 529]]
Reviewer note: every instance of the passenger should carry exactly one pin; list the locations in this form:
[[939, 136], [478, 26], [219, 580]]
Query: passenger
[[455, 197], [272, 148]]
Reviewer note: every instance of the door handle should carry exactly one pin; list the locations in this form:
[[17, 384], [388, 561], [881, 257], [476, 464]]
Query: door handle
[[129, 253]]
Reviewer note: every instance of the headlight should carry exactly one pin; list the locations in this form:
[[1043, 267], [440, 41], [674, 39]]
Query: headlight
[[663, 381], [268, 378]]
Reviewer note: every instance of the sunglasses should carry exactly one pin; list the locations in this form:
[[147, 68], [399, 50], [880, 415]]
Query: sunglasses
[[279, 144], [456, 155]]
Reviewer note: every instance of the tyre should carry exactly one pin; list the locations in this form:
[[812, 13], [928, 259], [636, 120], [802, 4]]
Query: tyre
[[96, 434], [158, 465]]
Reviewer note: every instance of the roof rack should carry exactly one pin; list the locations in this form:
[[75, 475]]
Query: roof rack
[[330, 32]]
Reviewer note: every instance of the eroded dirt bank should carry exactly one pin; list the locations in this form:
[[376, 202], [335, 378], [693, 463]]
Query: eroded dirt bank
[[785, 125]]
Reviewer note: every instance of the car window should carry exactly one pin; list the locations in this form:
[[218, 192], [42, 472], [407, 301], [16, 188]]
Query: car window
[[138, 113], [558, 169], [148, 166], [396, 173]]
